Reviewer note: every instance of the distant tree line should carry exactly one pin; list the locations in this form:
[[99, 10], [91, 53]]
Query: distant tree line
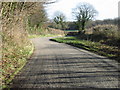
[[115, 21], [84, 15], [91, 23]]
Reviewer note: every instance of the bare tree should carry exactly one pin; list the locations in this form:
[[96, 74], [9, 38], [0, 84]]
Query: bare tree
[[59, 20], [83, 13], [38, 17]]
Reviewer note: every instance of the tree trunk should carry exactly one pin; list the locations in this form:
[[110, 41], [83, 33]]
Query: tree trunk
[[83, 25], [81, 28]]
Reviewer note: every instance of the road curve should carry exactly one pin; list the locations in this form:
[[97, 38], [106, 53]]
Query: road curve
[[57, 65]]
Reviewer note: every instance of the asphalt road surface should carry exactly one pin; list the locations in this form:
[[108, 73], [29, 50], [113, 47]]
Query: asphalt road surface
[[57, 65]]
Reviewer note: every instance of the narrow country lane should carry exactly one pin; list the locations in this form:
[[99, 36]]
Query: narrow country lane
[[57, 65]]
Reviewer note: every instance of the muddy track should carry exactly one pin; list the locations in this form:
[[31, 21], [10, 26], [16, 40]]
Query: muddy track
[[57, 65]]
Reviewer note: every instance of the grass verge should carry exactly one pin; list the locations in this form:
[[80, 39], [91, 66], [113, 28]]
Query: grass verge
[[111, 52], [47, 35], [25, 53]]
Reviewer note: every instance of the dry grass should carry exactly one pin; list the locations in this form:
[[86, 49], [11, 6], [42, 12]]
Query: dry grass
[[16, 46], [55, 31], [46, 31], [106, 34], [101, 28]]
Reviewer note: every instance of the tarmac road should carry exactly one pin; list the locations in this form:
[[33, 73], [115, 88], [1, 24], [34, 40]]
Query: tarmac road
[[57, 65]]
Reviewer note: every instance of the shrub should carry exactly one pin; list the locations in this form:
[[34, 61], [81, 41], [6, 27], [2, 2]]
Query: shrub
[[107, 34], [15, 43]]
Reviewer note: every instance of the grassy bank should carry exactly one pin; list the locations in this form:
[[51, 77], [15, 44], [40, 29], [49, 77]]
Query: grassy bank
[[13, 62], [16, 47], [111, 52]]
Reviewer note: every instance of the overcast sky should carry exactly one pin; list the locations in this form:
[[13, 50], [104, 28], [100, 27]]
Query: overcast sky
[[106, 8]]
